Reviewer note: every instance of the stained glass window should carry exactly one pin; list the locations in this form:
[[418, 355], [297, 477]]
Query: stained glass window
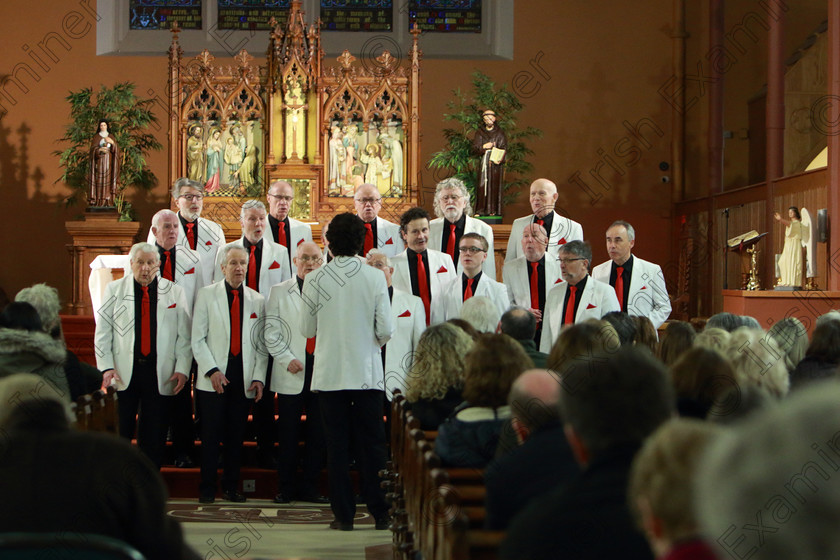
[[357, 15], [160, 14], [445, 16], [251, 14]]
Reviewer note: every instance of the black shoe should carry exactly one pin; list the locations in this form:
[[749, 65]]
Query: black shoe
[[233, 496], [314, 499], [383, 523], [206, 499], [281, 498], [358, 499], [184, 462], [336, 524]]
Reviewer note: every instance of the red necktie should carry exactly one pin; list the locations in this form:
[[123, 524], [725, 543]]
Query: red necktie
[[310, 345], [368, 238], [468, 293], [167, 269], [450, 245], [145, 329], [191, 235], [252, 270], [423, 286], [540, 222], [535, 286], [619, 286], [570, 307], [281, 234], [235, 325]]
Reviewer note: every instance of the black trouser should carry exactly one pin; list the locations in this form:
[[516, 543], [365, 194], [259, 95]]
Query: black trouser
[[142, 393], [223, 420], [290, 408], [346, 415], [265, 428], [182, 423]]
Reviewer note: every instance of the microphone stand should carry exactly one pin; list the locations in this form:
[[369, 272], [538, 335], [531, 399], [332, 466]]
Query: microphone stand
[[726, 251]]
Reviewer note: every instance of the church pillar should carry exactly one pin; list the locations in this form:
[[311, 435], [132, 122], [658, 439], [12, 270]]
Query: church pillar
[[833, 119], [775, 117]]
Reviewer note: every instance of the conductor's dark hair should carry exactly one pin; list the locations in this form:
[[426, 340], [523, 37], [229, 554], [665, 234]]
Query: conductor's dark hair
[[22, 316], [412, 214], [346, 235]]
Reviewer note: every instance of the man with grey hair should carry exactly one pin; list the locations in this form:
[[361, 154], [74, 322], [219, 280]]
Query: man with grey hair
[[482, 313], [142, 343], [453, 209], [178, 264], [285, 231], [199, 234], [767, 488], [268, 262], [579, 298], [379, 232], [639, 285]]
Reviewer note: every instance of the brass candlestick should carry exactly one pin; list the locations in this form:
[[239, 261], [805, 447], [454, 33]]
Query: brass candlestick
[[753, 283]]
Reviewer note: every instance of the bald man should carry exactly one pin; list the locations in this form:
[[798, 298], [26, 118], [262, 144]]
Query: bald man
[[285, 231], [561, 230], [379, 233]]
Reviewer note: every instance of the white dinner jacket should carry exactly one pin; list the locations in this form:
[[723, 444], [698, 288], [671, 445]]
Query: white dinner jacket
[[282, 337], [471, 226], [299, 232], [409, 318], [189, 274], [648, 296], [274, 266], [562, 231], [114, 335], [453, 298], [346, 307], [515, 276], [211, 238], [211, 336], [441, 272], [388, 238], [597, 300]]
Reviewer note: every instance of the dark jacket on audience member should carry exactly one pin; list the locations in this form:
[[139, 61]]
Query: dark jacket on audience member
[[530, 347], [530, 470], [811, 368], [86, 483], [469, 436], [585, 519], [34, 352], [433, 412]]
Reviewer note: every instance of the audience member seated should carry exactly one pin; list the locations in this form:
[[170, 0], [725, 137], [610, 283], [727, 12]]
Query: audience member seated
[[713, 338], [482, 313], [822, 357], [832, 315], [26, 348], [645, 334], [739, 403], [623, 324], [792, 338], [609, 404], [724, 320], [541, 461], [468, 438], [662, 491], [757, 361], [521, 325], [700, 377], [436, 378], [766, 489], [77, 482], [464, 326], [678, 337], [82, 377], [581, 341]]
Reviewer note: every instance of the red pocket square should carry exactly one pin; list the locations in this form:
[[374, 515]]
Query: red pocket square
[[405, 313], [299, 242], [562, 241], [442, 270], [390, 241], [590, 306], [190, 271], [274, 265], [172, 306], [253, 315], [558, 280], [209, 243], [644, 287]]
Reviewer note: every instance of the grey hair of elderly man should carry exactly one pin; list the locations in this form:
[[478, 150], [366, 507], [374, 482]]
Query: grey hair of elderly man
[[481, 313]]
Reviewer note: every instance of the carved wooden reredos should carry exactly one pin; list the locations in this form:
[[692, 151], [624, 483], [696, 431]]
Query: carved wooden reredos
[[325, 129]]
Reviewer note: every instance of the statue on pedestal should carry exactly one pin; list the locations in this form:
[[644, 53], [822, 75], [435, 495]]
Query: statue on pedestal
[[104, 167], [490, 143]]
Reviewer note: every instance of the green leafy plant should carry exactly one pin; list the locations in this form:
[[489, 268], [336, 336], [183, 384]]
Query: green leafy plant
[[129, 118], [458, 160]]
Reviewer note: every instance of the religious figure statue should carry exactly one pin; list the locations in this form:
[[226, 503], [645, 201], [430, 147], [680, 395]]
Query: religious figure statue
[[336, 169], [376, 172], [295, 106], [394, 152], [195, 155], [104, 167], [214, 160], [790, 262], [351, 148], [490, 143], [246, 171], [233, 158]]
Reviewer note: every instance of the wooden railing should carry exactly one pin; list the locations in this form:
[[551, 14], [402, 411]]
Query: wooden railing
[[97, 412]]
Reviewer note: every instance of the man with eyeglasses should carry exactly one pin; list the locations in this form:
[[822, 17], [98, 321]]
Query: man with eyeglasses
[[291, 379], [199, 234], [379, 233], [639, 285], [453, 209], [530, 277], [561, 230], [472, 281], [286, 231], [579, 298]]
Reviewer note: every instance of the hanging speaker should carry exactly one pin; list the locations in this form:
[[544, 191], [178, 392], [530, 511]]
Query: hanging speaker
[[822, 225]]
